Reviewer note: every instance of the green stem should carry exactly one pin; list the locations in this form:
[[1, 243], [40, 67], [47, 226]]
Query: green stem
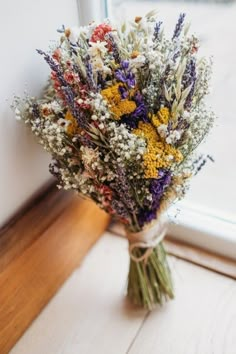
[[150, 282]]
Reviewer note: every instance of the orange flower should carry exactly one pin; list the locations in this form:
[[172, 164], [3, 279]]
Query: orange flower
[[72, 126]]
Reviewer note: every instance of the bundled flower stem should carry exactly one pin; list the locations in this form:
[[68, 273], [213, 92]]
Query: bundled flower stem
[[149, 277], [150, 281], [122, 116]]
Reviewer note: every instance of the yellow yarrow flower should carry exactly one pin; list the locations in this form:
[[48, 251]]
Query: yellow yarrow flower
[[162, 117], [159, 154], [123, 107], [112, 94], [147, 131], [73, 125], [119, 106]]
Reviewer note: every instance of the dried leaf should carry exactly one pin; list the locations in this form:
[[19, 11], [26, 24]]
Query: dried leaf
[[151, 14], [95, 137], [123, 27], [185, 93], [167, 94], [186, 28], [181, 69], [174, 108]]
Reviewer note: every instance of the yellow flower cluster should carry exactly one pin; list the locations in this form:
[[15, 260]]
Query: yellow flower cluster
[[159, 154], [162, 117], [119, 106], [73, 125], [123, 107]]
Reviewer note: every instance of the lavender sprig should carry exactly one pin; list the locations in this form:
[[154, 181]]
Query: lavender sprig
[[67, 90], [115, 49], [189, 78], [157, 188], [179, 26], [156, 33], [125, 75], [89, 71]]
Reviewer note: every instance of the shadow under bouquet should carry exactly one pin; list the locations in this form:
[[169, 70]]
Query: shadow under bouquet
[[122, 116]]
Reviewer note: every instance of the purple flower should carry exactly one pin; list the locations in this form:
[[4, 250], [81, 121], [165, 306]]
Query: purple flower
[[146, 216], [101, 83], [157, 188], [125, 75], [119, 208], [141, 111], [121, 187], [114, 46], [156, 33], [124, 64], [139, 114], [189, 78], [89, 72], [179, 26], [123, 92]]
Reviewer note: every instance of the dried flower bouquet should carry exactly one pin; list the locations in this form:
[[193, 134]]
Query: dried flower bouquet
[[122, 116]]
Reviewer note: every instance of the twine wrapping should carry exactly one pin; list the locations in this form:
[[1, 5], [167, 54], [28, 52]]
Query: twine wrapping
[[148, 238]]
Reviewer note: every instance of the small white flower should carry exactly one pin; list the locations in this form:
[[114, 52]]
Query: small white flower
[[174, 136], [55, 106], [97, 49], [137, 62], [76, 32], [18, 114], [162, 130]]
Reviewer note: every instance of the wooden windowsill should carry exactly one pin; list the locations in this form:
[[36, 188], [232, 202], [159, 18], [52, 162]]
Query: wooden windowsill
[[38, 253], [217, 263]]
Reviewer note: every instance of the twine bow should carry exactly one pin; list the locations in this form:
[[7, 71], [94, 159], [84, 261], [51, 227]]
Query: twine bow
[[148, 238]]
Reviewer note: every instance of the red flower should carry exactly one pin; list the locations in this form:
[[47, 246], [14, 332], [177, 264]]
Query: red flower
[[106, 191], [57, 85], [57, 55], [69, 76], [100, 32]]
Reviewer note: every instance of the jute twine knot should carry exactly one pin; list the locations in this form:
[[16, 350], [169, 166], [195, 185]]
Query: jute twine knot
[[147, 239]]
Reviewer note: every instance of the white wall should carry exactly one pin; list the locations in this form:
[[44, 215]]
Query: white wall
[[24, 26]]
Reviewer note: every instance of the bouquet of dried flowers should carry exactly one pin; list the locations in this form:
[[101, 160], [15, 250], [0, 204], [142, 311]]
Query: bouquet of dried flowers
[[122, 116]]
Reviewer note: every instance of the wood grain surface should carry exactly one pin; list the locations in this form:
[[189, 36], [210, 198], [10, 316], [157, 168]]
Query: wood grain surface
[[90, 315], [30, 223], [31, 279], [217, 263]]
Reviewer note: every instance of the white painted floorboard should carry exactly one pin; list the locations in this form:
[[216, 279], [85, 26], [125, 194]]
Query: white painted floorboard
[[89, 315]]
